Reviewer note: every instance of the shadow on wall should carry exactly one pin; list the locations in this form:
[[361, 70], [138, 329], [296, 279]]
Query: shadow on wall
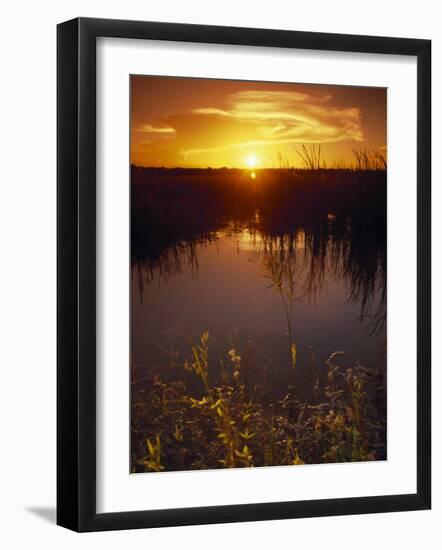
[[46, 513]]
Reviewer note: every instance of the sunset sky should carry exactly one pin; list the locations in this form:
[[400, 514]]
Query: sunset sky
[[191, 122]]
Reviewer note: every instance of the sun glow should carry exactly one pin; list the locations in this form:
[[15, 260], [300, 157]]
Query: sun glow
[[252, 161]]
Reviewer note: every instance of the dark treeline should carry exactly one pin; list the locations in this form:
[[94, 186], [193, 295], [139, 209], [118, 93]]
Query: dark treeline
[[182, 208], [139, 173]]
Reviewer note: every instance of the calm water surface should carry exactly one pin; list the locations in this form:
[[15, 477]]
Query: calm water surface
[[222, 283]]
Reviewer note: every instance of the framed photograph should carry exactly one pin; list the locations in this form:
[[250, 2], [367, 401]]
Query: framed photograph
[[243, 274]]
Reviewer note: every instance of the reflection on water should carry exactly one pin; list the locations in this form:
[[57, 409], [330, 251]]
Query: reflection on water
[[260, 269]]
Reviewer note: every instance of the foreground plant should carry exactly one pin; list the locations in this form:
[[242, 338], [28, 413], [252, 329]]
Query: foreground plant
[[226, 426]]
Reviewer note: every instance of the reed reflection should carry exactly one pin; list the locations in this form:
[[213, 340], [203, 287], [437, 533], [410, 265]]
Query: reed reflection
[[311, 227]]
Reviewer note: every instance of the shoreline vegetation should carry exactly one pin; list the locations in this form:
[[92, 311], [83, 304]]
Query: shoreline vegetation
[[228, 425], [307, 223]]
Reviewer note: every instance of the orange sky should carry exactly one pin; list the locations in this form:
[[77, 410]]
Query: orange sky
[[192, 122]]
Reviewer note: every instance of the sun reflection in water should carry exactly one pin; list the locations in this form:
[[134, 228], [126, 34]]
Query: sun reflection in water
[[252, 239]]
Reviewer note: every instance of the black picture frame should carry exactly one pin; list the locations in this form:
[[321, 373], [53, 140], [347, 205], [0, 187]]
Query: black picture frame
[[76, 274]]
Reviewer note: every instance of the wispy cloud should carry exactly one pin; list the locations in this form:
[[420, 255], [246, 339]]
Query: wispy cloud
[[282, 117], [239, 145], [149, 129]]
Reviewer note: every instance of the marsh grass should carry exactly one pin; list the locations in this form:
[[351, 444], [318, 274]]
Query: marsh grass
[[227, 426], [310, 156], [367, 160], [283, 274]]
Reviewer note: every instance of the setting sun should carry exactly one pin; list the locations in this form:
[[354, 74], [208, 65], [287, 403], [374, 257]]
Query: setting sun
[[252, 161]]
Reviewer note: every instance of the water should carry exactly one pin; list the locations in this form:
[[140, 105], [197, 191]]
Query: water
[[220, 274]]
